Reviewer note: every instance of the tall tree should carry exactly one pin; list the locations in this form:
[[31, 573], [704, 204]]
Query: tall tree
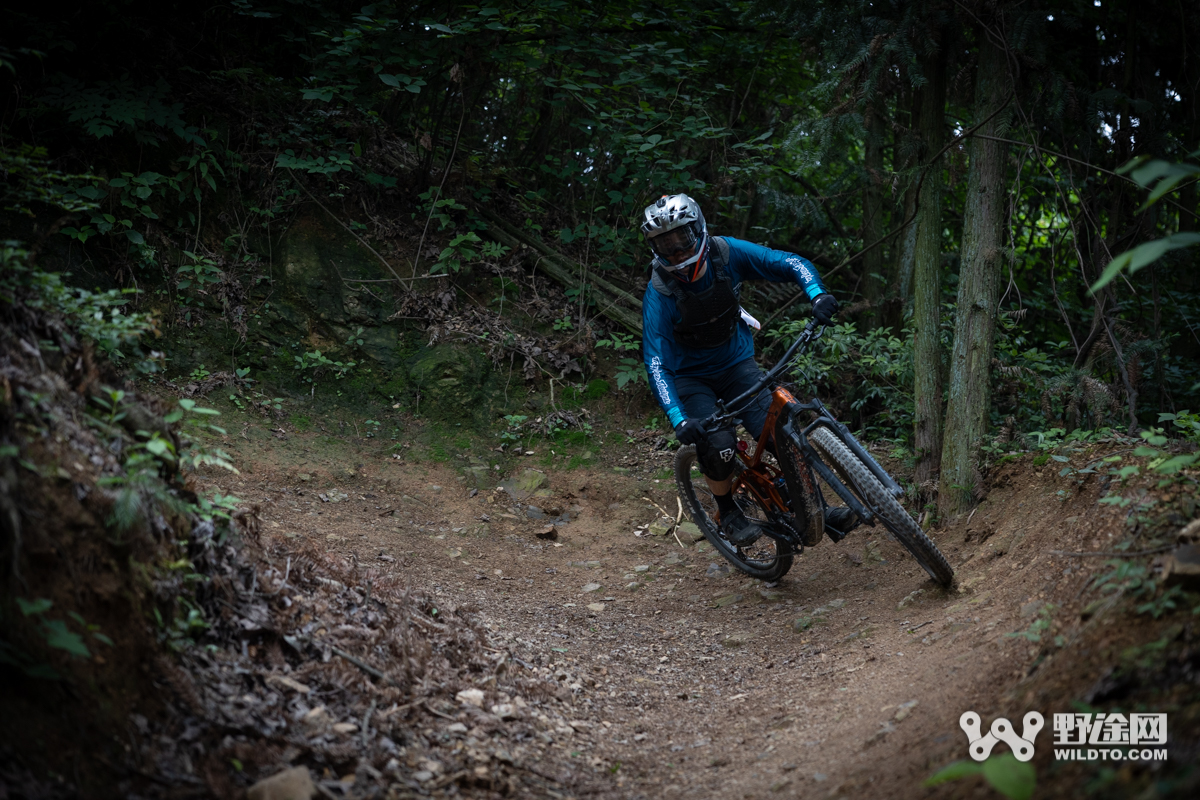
[[927, 257], [872, 215], [978, 286], [906, 149]]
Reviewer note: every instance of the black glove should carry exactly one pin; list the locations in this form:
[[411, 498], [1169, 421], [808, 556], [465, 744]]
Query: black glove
[[690, 431], [824, 307]]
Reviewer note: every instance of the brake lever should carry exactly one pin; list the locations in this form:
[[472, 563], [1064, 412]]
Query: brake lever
[[715, 422]]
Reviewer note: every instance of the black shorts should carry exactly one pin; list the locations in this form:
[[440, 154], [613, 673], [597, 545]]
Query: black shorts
[[699, 396]]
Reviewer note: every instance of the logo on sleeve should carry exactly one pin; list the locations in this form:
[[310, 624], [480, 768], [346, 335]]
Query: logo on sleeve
[[797, 264], [659, 382]]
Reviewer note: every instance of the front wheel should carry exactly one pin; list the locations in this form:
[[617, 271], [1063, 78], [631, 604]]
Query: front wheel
[[761, 559], [874, 496]]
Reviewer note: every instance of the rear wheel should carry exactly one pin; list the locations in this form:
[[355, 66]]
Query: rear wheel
[[874, 496], [761, 559]]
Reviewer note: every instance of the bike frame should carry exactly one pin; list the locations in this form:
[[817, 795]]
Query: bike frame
[[759, 478]]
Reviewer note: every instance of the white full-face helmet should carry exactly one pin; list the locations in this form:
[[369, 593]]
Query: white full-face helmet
[[673, 224]]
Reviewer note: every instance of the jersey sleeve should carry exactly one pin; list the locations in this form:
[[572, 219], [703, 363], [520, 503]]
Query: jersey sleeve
[[659, 355], [753, 261]]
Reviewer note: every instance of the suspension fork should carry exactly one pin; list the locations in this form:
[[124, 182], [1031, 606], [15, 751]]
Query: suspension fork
[[827, 420], [815, 464]]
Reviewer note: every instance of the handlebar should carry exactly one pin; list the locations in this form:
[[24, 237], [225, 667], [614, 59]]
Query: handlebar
[[812, 330]]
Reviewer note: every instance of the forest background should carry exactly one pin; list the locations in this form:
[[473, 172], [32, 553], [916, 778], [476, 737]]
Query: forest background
[[311, 204], [959, 172]]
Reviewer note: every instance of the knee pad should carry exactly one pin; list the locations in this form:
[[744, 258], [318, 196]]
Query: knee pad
[[716, 457]]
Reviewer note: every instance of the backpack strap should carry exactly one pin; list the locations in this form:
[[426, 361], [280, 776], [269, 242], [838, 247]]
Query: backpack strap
[[718, 256], [666, 285]]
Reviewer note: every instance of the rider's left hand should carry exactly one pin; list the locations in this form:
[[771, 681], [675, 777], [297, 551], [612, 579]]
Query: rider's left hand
[[824, 307]]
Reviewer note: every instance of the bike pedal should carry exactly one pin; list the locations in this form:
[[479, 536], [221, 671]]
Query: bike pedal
[[834, 534]]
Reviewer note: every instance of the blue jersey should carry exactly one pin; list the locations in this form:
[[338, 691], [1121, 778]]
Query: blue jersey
[[665, 358]]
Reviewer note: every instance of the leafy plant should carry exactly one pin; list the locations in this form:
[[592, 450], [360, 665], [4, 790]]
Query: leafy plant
[[440, 209], [1014, 779], [140, 486], [513, 435], [1161, 604], [1039, 626], [275, 403], [459, 250], [581, 295], [316, 364], [328, 163], [619, 342], [1133, 580], [630, 371], [56, 633], [100, 316], [1165, 176], [1186, 423], [198, 270], [194, 455], [217, 508], [1160, 461], [494, 250], [30, 178], [180, 631], [102, 109]]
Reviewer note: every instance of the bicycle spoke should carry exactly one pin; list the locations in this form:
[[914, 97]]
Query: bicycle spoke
[[762, 558]]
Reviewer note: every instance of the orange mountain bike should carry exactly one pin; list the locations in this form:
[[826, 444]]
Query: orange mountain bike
[[783, 494]]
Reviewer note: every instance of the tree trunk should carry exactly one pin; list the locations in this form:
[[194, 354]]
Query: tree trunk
[[927, 290], [908, 238], [978, 285], [872, 223]]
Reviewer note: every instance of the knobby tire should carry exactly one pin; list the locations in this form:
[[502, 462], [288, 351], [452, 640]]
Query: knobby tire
[[874, 496], [692, 488]]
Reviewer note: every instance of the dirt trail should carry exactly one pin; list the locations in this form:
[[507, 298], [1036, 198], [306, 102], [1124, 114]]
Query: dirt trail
[[846, 678]]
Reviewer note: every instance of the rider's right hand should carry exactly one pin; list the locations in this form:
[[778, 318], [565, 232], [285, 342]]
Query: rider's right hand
[[690, 431]]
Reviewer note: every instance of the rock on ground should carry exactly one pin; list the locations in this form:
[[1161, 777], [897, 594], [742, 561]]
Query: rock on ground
[[291, 784]]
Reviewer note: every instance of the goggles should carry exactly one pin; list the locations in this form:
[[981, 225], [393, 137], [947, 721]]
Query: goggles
[[672, 242], [689, 269]]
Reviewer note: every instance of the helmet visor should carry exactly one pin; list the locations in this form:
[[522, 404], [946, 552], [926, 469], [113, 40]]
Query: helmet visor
[[675, 241]]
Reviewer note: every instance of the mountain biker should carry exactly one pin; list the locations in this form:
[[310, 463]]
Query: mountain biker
[[696, 339]]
